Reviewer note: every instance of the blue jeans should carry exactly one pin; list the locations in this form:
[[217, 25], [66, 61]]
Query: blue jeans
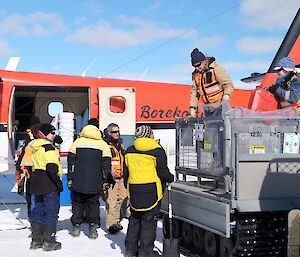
[[45, 209]]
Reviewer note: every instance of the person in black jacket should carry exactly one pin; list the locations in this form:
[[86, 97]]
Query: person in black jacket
[[145, 174], [89, 162]]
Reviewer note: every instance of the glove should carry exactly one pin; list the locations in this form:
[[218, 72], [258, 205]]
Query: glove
[[21, 187], [105, 186], [69, 183], [104, 192], [272, 89], [59, 186], [226, 98]]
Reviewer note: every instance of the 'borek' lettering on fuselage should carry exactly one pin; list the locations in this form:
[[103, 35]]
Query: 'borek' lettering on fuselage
[[147, 113]]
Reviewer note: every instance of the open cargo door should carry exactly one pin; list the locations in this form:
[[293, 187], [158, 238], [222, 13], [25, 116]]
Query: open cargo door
[[118, 105]]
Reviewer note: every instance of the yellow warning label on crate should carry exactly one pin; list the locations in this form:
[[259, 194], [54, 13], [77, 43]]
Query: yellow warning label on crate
[[257, 149], [207, 146]]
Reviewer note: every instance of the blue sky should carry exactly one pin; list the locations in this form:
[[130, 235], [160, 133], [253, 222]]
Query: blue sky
[[148, 40]]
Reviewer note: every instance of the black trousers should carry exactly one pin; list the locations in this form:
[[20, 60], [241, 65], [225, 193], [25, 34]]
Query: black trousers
[[88, 203], [141, 232]]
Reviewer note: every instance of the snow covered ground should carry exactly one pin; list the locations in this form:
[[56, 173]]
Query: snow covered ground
[[15, 229], [15, 242]]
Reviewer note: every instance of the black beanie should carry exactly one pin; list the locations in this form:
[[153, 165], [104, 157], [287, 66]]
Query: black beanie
[[94, 122], [197, 56], [46, 128]]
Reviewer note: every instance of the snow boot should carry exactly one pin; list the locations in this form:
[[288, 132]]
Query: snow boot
[[50, 244], [130, 254], [76, 230], [37, 236], [93, 234], [114, 228]]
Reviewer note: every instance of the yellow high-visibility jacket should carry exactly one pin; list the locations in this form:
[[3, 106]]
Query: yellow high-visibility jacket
[[145, 173]]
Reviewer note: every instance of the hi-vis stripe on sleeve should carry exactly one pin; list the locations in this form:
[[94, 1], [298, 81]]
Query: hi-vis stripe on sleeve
[[91, 147]]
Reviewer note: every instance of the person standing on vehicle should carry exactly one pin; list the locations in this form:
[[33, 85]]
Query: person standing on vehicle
[[45, 188], [145, 175], [211, 83], [287, 87], [117, 193], [89, 162]]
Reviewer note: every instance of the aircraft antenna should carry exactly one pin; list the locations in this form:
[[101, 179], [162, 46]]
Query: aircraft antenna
[[140, 77], [12, 63], [88, 67]]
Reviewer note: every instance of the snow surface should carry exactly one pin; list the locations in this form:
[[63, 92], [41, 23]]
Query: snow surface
[[15, 242], [15, 229]]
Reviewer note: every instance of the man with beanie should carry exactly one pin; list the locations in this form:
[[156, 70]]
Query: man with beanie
[[211, 83], [287, 87], [145, 175], [45, 188], [116, 193], [89, 162]]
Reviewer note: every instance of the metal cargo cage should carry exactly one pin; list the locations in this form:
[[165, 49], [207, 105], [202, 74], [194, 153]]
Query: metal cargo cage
[[213, 147]]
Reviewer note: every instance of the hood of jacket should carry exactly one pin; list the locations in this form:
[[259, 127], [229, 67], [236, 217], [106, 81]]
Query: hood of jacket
[[145, 144], [211, 62], [90, 131]]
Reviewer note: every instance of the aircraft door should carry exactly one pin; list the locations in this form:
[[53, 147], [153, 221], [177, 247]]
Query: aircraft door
[[7, 138], [118, 105]]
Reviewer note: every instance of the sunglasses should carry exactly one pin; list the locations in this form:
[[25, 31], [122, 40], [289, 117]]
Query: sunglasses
[[197, 65], [53, 133], [115, 132]]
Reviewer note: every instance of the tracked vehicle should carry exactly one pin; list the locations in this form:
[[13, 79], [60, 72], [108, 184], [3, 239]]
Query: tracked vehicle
[[237, 179]]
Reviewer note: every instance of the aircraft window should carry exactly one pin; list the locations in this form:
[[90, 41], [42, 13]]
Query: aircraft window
[[54, 108], [117, 104]]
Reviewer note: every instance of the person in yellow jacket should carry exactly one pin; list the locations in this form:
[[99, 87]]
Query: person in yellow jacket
[[45, 188], [211, 84], [117, 193], [89, 163], [145, 175]]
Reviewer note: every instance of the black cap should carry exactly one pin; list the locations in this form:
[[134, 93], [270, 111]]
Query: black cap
[[197, 56], [94, 122], [46, 128]]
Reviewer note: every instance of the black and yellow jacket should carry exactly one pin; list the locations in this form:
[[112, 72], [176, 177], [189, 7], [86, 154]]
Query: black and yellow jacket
[[89, 161], [46, 170], [145, 172]]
